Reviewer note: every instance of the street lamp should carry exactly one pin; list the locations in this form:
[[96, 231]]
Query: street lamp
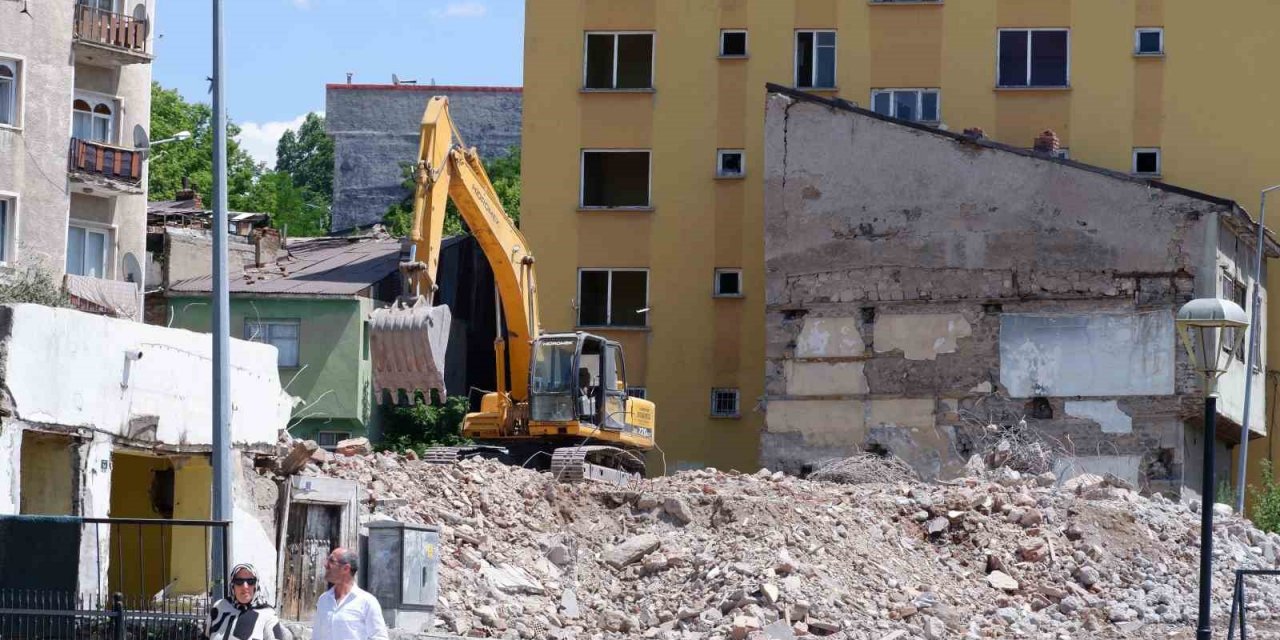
[[1201, 324], [181, 135]]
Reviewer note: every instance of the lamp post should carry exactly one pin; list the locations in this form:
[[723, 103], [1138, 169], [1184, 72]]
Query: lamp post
[[181, 135], [1254, 343], [1202, 323]]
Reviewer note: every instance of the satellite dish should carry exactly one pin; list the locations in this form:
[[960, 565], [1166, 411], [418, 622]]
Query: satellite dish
[[141, 141], [133, 270]]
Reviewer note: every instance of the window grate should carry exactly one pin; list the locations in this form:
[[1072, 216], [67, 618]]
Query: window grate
[[724, 403]]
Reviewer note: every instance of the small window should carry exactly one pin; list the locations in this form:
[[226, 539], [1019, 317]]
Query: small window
[[916, 105], [1235, 291], [613, 297], [282, 334], [728, 283], [724, 403], [87, 252], [615, 179], [1033, 57], [1146, 162], [733, 44], [330, 439], [618, 61], [1062, 153], [729, 163], [638, 392], [816, 59], [10, 83], [1148, 42], [6, 228]]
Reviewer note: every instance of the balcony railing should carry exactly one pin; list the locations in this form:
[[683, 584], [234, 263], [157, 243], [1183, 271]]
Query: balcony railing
[[111, 29], [98, 158]]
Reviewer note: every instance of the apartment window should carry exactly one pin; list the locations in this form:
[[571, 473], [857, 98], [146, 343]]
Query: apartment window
[[638, 392], [1235, 291], [1148, 42], [816, 59], [330, 439], [916, 105], [1062, 153], [93, 119], [729, 163], [724, 403], [10, 83], [1146, 162], [282, 334], [615, 179], [728, 283], [6, 228], [87, 251], [613, 297], [733, 43], [105, 5], [1033, 57], [618, 61]]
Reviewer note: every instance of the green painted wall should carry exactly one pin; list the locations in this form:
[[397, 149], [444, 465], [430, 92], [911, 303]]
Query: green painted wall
[[333, 376]]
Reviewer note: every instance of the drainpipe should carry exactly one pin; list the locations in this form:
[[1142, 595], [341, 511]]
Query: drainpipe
[[1254, 304]]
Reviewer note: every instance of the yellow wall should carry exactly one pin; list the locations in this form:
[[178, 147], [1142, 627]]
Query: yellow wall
[[193, 479], [1208, 104], [47, 474], [139, 555]]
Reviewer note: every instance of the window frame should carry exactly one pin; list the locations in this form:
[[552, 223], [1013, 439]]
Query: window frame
[[653, 61], [9, 227], [643, 395], [608, 308], [1030, 30], [108, 245], [1137, 41], [1242, 289], [95, 99], [268, 322], [341, 435], [582, 182], [715, 284], [1133, 164], [795, 60], [737, 403], [920, 91], [742, 157], [746, 45], [17, 64]]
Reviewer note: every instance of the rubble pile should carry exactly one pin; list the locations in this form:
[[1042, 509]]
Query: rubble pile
[[706, 554]]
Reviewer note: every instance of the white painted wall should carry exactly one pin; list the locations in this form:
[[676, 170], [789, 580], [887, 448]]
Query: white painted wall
[[69, 368]]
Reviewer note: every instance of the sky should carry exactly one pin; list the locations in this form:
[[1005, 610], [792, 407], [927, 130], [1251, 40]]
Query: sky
[[279, 54]]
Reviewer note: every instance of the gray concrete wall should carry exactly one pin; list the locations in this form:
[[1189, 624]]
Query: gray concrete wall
[[33, 158], [920, 287], [375, 131]]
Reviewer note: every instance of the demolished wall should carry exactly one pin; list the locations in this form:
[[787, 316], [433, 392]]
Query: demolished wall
[[922, 285]]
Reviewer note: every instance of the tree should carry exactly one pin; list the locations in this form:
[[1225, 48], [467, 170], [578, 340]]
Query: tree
[[288, 206], [504, 173], [307, 156], [193, 158]]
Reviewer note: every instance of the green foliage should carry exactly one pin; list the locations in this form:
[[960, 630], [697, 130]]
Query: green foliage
[[298, 193], [1266, 501], [504, 173], [424, 424], [31, 284]]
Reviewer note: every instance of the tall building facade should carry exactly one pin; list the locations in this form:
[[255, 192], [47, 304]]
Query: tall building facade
[[75, 111], [643, 148]]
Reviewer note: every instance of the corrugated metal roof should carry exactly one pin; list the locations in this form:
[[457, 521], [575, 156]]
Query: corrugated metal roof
[[313, 267]]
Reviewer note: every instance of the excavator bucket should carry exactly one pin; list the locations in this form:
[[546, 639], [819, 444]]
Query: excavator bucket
[[408, 342]]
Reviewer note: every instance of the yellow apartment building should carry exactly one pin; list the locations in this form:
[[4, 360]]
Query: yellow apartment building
[[643, 148]]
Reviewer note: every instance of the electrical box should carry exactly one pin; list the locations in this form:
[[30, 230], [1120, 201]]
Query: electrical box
[[403, 564]]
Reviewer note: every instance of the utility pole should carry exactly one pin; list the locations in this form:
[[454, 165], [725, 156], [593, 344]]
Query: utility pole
[[1242, 475], [222, 509]]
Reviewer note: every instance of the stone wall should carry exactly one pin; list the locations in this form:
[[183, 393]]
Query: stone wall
[[375, 131], [922, 285]]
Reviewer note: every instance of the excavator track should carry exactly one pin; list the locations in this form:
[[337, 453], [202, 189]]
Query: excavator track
[[610, 465]]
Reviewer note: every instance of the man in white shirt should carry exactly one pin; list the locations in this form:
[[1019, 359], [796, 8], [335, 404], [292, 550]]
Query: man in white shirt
[[347, 612]]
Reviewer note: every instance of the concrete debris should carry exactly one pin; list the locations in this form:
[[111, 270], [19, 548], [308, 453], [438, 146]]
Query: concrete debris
[[710, 555], [866, 468], [353, 447], [299, 456]]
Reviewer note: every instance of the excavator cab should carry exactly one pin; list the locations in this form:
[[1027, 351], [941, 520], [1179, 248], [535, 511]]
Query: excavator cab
[[578, 377]]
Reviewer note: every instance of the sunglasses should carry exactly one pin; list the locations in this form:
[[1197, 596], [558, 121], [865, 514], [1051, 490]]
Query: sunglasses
[[253, 582]]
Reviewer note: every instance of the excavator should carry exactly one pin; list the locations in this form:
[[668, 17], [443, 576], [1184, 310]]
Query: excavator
[[561, 402]]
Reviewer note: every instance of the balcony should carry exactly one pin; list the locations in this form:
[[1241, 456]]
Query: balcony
[[107, 39], [97, 165]]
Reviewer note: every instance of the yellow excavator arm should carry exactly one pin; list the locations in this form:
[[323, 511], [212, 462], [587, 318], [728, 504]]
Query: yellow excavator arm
[[445, 169]]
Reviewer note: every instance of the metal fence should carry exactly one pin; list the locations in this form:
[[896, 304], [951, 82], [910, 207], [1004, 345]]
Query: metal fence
[[42, 595], [1238, 601]]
